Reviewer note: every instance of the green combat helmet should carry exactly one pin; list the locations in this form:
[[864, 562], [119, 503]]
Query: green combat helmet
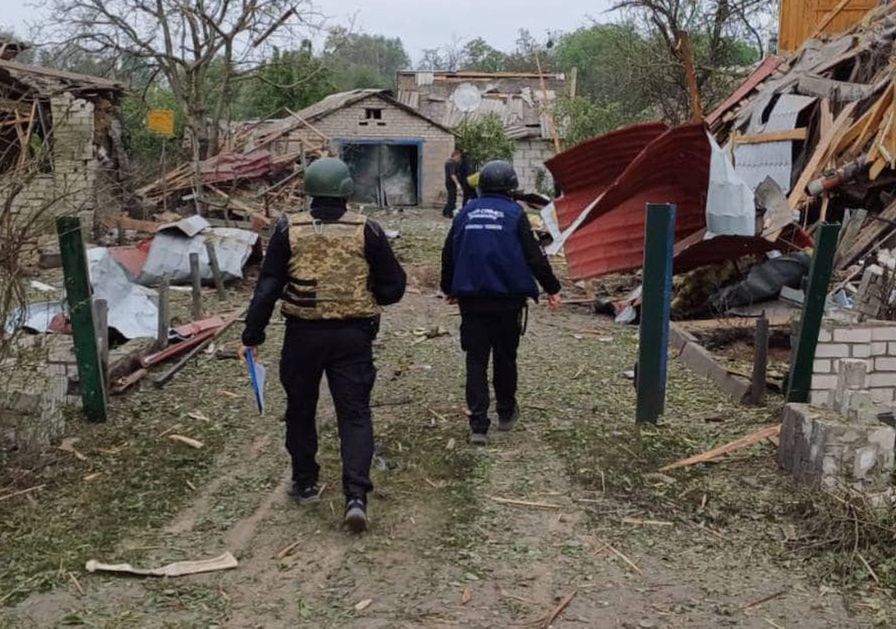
[[329, 177]]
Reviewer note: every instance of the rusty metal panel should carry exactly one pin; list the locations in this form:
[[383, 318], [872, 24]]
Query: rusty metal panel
[[760, 74], [585, 171], [672, 167]]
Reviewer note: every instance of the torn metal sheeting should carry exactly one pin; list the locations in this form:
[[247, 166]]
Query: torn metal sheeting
[[170, 252], [133, 309], [755, 162], [763, 71], [36, 317], [190, 226]]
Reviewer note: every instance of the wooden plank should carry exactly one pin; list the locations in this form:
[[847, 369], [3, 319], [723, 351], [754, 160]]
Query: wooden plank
[[716, 453], [790, 135], [869, 235], [820, 157], [829, 18], [197, 286]]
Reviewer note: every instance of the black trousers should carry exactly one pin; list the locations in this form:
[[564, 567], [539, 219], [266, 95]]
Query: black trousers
[[469, 195], [345, 354], [451, 203], [496, 335]]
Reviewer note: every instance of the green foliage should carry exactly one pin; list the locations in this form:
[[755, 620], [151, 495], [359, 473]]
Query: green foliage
[[481, 57], [583, 118], [143, 146], [484, 139], [290, 79], [364, 61]]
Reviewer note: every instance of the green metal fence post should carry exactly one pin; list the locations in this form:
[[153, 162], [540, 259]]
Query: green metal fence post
[[656, 301], [80, 304], [813, 311]]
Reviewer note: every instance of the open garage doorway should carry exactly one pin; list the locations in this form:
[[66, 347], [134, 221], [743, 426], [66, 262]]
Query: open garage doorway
[[385, 173]]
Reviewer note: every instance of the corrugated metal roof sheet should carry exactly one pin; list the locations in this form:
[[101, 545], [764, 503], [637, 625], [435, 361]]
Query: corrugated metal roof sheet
[[588, 169], [657, 166], [694, 252]]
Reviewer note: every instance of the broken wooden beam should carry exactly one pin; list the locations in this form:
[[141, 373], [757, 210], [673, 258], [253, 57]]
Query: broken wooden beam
[[716, 453], [790, 135]]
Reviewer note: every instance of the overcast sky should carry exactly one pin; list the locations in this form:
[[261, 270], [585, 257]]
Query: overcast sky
[[419, 23]]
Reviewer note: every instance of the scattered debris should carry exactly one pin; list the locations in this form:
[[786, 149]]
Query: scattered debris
[[22, 492], [362, 605], [193, 443], [526, 503], [716, 453], [467, 595], [764, 599], [177, 569]]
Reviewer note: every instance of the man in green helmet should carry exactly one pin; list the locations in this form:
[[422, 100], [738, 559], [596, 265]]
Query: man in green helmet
[[333, 270]]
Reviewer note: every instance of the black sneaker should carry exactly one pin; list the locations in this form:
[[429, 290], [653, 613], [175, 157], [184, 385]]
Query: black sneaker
[[306, 495], [478, 439], [507, 423], [356, 515]]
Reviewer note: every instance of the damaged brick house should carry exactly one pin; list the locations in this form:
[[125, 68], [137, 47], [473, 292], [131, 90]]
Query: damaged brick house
[[60, 131], [524, 102]]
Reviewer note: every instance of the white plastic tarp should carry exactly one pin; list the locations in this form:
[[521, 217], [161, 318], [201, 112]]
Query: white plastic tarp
[[37, 317], [730, 208]]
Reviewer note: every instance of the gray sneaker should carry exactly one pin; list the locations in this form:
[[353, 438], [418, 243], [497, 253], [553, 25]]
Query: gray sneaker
[[478, 439], [304, 495], [507, 423], [356, 515]]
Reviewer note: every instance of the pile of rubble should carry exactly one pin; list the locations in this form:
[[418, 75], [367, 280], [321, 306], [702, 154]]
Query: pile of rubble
[[260, 167]]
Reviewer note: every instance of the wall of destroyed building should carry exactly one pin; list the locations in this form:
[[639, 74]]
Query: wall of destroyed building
[[529, 157], [376, 120], [873, 343], [83, 174]]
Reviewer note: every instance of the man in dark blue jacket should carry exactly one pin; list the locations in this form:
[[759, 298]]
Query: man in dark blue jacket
[[490, 264]]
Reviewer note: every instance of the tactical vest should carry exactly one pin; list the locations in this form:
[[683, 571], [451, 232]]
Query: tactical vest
[[488, 255], [328, 271]]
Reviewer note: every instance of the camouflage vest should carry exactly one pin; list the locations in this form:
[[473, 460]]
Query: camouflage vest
[[328, 271]]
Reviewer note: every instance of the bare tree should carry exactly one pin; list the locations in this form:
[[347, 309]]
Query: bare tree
[[199, 47], [718, 29]]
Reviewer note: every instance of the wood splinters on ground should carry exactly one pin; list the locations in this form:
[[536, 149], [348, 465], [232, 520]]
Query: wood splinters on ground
[[467, 596], [190, 485], [77, 584], [193, 443], [362, 605], [22, 492], [548, 619], [764, 600], [869, 568], [631, 564], [715, 453], [286, 552], [526, 503], [91, 477], [637, 522], [199, 415], [170, 430], [227, 393]]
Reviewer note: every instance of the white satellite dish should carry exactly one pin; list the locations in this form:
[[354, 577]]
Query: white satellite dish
[[467, 97]]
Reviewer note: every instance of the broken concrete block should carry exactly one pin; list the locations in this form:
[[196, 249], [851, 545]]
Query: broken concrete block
[[824, 449]]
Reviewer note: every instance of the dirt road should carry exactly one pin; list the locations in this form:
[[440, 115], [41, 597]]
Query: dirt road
[[566, 509]]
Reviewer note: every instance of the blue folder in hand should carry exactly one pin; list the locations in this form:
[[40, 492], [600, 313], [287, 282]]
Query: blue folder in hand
[[257, 375]]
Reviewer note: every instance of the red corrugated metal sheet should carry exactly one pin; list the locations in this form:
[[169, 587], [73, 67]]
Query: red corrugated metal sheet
[[673, 168], [132, 258], [588, 169], [761, 73], [230, 166]]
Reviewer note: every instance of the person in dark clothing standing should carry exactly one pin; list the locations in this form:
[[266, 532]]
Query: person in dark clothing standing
[[490, 264], [465, 169], [453, 182], [333, 270]]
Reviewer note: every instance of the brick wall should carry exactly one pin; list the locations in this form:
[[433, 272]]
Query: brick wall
[[873, 342], [350, 123], [528, 159], [71, 186]]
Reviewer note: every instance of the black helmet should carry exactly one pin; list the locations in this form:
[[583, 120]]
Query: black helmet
[[498, 177]]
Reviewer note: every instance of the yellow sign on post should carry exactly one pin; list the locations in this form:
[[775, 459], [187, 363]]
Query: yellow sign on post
[[161, 121]]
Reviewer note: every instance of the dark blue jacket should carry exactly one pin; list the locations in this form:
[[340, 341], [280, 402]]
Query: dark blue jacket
[[488, 253]]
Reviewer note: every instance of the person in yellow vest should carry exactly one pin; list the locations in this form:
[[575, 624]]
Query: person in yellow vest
[[333, 270]]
